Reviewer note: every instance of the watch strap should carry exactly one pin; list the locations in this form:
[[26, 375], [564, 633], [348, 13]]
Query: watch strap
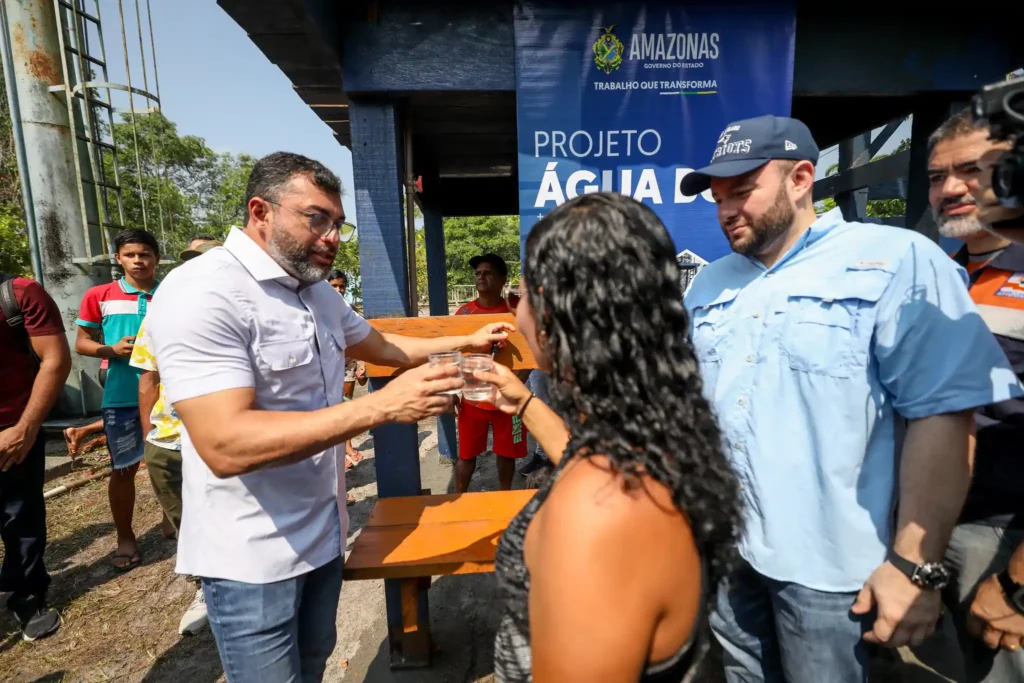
[[1014, 591], [904, 565]]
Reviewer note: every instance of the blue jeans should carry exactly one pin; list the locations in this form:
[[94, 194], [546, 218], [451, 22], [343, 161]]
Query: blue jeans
[[280, 632], [778, 632]]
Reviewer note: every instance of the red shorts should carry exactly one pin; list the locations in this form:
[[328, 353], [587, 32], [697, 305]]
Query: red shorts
[[509, 433]]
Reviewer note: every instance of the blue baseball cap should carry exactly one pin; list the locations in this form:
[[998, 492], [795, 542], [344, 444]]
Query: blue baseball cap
[[750, 144]]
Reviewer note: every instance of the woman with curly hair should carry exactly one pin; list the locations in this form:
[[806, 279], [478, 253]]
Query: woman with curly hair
[[606, 574]]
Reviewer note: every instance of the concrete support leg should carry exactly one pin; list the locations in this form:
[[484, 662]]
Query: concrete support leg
[[51, 182], [376, 160], [437, 289]]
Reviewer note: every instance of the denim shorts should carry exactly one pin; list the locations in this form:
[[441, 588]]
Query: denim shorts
[[124, 436]]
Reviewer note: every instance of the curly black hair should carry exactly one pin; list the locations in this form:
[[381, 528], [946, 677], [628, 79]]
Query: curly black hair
[[603, 280]]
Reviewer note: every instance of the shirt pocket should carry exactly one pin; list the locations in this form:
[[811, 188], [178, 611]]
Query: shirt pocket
[[828, 324], [709, 328], [285, 354]]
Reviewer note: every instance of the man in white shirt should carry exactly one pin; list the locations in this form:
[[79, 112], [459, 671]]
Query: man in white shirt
[[252, 342]]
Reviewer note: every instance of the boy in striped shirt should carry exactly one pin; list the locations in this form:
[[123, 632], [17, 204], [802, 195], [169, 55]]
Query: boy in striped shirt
[[107, 324]]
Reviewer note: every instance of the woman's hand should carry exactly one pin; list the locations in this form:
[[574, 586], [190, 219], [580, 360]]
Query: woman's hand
[[509, 394]]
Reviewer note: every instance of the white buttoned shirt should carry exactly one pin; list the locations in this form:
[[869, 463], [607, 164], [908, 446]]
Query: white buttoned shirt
[[233, 318]]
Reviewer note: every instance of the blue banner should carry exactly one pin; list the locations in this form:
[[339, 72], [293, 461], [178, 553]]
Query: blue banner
[[630, 96]]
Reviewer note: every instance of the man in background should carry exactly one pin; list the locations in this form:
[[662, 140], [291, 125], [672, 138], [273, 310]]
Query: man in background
[[354, 372], [34, 363], [107, 324], [475, 419], [162, 428], [991, 524]]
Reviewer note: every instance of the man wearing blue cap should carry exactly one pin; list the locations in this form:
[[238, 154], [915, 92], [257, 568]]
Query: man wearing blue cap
[[812, 337]]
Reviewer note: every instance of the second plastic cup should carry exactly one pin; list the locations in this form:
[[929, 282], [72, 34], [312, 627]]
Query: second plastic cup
[[474, 389]]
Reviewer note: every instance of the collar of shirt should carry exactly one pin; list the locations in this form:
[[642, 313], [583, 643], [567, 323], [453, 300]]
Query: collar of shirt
[[256, 260], [1011, 258], [127, 288], [819, 228]]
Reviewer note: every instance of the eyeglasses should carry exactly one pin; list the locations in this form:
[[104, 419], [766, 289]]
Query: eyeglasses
[[320, 224]]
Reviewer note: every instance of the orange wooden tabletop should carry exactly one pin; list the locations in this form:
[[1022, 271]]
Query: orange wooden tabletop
[[516, 354], [433, 535]]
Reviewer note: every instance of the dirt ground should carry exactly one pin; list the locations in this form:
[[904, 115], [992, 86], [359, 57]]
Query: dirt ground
[[123, 627]]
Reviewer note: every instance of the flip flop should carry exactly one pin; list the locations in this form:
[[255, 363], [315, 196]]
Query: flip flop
[[132, 562]]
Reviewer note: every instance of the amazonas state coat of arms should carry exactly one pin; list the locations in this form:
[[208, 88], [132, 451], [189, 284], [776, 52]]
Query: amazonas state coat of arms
[[608, 50]]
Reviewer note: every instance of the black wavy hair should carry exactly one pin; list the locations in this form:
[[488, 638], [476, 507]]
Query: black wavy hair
[[605, 287], [136, 236], [336, 274]]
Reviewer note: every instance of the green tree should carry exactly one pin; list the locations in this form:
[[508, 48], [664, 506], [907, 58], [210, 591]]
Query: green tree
[[464, 238], [14, 253], [347, 261], [224, 205], [181, 177]]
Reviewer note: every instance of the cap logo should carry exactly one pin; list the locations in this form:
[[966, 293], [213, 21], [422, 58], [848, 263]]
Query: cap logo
[[726, 146], [790, 146]]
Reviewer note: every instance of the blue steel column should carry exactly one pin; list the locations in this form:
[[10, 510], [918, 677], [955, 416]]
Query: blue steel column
[[854, 203], [437, 290], [376, 154]]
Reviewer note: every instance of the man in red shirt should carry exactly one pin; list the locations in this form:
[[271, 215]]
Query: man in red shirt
[[474, 418], [34, 363]]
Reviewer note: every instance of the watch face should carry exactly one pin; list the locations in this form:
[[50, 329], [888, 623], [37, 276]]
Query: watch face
[[932, 575], [1018, 599]]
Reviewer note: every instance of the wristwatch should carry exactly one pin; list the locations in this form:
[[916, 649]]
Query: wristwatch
[[1014, 591], [931, 576]]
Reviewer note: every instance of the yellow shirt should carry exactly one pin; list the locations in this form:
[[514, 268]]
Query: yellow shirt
[[166, 431]]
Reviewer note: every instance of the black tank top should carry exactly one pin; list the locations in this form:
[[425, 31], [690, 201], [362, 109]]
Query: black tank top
[[513, 657]]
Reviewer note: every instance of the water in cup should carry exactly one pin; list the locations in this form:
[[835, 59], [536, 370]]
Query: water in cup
[[448, 358], [476, 390]]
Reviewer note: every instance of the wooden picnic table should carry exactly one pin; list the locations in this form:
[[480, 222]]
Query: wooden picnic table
[[411, 539]]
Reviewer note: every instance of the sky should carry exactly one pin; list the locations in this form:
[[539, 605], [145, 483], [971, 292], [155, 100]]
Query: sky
[[216, 84]]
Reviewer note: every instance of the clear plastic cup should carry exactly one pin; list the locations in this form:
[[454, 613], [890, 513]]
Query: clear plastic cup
[[474, 389], [448, 358]]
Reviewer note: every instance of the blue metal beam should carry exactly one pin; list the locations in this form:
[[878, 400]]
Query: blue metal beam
[[437, 289], [853, 203], [427, 47], [423, 47], [376, 154], [376, 163]]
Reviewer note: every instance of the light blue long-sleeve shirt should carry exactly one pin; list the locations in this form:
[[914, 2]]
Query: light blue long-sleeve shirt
[[806, 365]]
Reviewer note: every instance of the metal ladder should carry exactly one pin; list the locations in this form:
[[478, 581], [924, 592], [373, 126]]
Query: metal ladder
[[92, 119]]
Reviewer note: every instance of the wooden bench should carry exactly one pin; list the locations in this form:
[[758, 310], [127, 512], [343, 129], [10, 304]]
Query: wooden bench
[[408, 540], [414, 538]]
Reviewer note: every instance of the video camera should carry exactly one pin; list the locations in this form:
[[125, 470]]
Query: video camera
[[1001, 106]]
